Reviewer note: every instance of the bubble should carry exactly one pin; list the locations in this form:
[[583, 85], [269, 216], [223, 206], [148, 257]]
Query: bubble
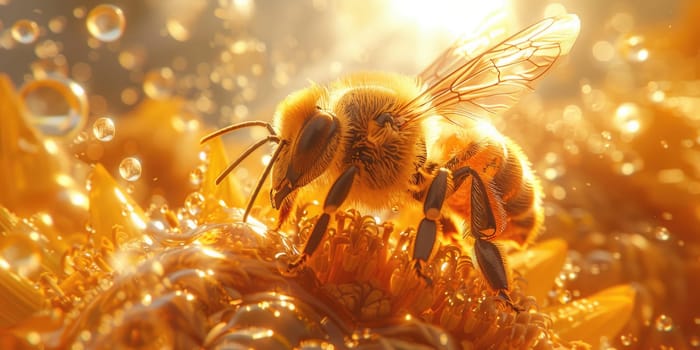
[[103, 129], [57, 107], [661, 233], [106, 22], [25, 31], [194, 203], [130, 169], [159, 83], [19, 254], [663, 323]]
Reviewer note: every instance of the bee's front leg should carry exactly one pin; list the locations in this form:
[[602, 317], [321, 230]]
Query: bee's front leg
[[335, 197]]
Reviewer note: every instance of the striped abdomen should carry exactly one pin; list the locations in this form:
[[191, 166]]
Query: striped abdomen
[[513, 192]]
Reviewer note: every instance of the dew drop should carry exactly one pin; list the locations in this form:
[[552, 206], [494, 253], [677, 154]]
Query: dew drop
[[103, 129], [57, 24], [194, 203], [661, 233], [628, 118], [695, 341], [106, 22], [159, 83], [25, 31], [197, 175], [57, 107], [564, 297], [19, 254], [663, 323], [177, 30], [626, 339], [634, 50], [130, 169]]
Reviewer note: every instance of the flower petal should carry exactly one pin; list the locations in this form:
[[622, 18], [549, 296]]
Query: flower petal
[[539, 265], [603, 314]]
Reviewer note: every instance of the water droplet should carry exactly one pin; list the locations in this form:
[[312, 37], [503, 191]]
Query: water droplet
[[661, 233], [57, 107], [159, 83], [197, 175], [130, 169], [695, 341], [177, 29], [19, 254], [25, 31], [103, 129], [565, 296], [626, 339], [628, 118], [394, 208], [57, 24], [663, 323], [634, 50], [193, 203], [106, 22]]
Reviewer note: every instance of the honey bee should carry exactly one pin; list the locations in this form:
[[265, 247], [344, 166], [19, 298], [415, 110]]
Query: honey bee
[[371, 139]]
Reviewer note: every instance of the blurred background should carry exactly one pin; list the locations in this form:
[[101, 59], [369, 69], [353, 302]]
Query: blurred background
[[613, 130]]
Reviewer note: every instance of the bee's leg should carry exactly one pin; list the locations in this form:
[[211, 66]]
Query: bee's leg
[[335, 197], [483, 226], [427, 229]]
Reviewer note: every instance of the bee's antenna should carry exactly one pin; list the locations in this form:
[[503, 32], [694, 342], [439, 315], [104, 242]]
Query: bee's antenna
[[270, 138], [241, 125], [262, 178]]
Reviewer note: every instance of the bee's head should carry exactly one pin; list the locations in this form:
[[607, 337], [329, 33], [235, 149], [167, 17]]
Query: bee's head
[[311, 135]]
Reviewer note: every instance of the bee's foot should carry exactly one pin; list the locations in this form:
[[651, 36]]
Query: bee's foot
[[503, 296], [417, 267], [293, 266]]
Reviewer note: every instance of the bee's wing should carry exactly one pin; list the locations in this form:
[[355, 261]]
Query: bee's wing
[[472, 80]]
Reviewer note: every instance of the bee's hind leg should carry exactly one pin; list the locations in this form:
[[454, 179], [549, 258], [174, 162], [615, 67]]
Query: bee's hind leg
[[483, 226], [335, 197]]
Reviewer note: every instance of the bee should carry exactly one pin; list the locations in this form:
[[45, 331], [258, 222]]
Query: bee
[[372, 139]]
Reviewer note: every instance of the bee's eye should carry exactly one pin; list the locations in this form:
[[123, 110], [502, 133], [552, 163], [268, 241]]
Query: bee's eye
[[384, 118]]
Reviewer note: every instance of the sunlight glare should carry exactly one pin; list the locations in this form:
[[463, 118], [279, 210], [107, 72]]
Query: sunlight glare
[[454, 16]]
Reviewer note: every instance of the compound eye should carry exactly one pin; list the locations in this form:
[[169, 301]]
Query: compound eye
[[384, 118]]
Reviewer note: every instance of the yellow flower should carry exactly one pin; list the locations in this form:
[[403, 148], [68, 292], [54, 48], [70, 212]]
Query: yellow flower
[[198, 277]]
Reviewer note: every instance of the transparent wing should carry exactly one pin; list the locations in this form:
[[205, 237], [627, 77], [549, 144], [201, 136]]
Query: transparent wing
[[472, 80]]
